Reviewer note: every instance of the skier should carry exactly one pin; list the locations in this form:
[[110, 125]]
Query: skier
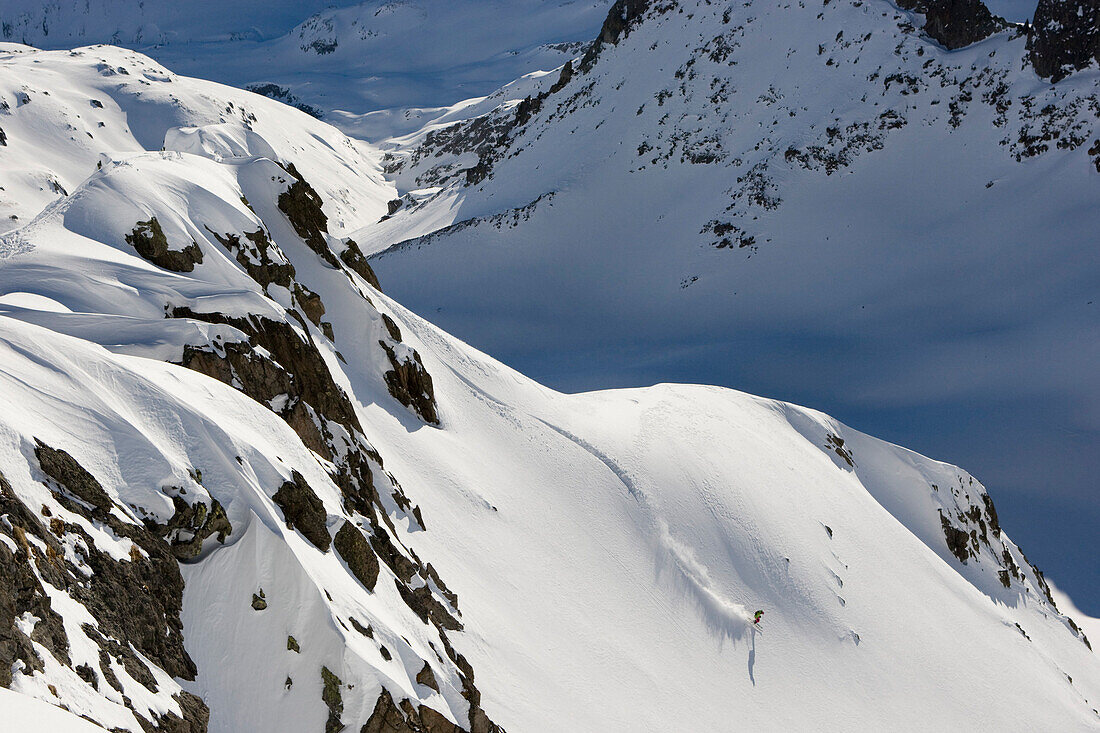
[[756, 617]]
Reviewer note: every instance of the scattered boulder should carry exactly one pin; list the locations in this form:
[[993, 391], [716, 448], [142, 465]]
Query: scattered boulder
[[259, 601]]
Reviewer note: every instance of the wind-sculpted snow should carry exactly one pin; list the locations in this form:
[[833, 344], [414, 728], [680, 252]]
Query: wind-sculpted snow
[[243, 489]]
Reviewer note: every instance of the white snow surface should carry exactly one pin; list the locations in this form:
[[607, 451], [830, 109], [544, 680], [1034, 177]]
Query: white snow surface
[[607, 548]]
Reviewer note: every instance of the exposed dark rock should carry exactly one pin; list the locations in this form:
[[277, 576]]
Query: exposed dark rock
[[296, 370], [357, 553], [391, 327], [955, 23], [302, 206], [563, 78], [836, 443], [367, 631], [310, 303], [353, 257], [259, 601], [479, 721], [406, 718], [284, 95], [1065, 37], [957, 539], [191, 525], [392, 206], [21, 591], [334, 701], [3, 138], [482, 170], [86, 673], [149, 241], [411, 385], [426, 677], [304, 511], [292, 645], [136, 603], [424, 604], [254, 255], [63, 468], [621, 18]]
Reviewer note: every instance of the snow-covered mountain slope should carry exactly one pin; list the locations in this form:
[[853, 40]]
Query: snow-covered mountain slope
[[723, 181], [244, 490], [62, 110], [356, 57]]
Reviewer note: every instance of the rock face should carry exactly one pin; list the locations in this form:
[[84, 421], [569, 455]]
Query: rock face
[[955, 23], [149, 241], [135, 603], [1065, 37]]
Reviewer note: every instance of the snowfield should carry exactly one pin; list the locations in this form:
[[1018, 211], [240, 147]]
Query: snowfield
[[241, 484]]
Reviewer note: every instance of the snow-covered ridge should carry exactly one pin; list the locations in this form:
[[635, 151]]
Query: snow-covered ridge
[[353, 512], [732, 179]]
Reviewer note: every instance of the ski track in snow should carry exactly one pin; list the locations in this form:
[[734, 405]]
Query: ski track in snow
[[729, 619], [726, 618]]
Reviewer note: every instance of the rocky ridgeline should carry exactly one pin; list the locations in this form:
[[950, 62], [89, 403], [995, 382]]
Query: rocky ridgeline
[[134, 602], [698, 115], [280, 366]]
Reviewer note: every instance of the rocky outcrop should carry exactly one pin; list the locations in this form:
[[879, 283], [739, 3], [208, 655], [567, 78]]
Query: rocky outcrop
[[955, 23], [411, 385], [1065, 37], [333, 699], [623, 15], [302, 206], [353, 257], [149, 241], [357, 553], [135, 602], [406, 718], [304, 511], [958, 540], [191, 524], [426, 677]]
